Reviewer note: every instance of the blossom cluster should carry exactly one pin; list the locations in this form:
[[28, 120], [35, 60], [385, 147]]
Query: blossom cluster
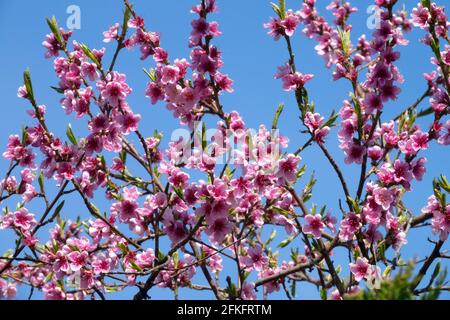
[[164, 226]]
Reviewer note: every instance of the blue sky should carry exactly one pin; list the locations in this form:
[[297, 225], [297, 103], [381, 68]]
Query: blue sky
[[251, 58]]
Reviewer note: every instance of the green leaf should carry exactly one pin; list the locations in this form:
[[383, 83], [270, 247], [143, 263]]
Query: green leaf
[[59, 90], [338, 269], [53, 25], [110, 289], [323, 294], [276, 9], [322, 211], [412, 119], [426, 3], [161, 256], [204, 142], [229, 173], [436, 271], [58, 209], [123, 247], [179, 192], [282, 6], [307, 194], [425, 112], [285, 242], [387, 272], [70, 135], [90, 54], [249, 141], [277, 116], [175, 259], [24, 136], [281, 211], [48, 277], [331, 120], [27, 83], [294, 254], [103, 161], [231, 289], [123, 156], [271, 237], [353, 204], [135, 266], [126, 17], [382, 250], [293, 288], [444, 184], [151, 73], [345, 40], [41, 180], [301, 171]]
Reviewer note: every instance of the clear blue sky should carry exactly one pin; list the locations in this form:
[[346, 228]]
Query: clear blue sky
[[251, 58]]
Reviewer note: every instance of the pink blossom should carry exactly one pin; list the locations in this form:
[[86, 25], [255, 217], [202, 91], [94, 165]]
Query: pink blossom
[[159, 200], [330, 222], [161, 56], [170, 74], [398, 239], [52, 45], [372, 102], [111, 33], [276, 30], [178, 178], [154, 92], [402, 172], [354, 153], [24, 220], [129, 122], [218, 229], [444, 134], [248, 291], [255, 258], [200, 28], [290, 23], [441, 223], [77, 260], [287, 168], [375, 153], [384, 197], [420, 140], [349, 226], [360, 268], [8, 290], [314, 123], [222, 199], [295, 81], [420, 16], [89, 70], [218, 190], [418, 168], [136, 22], [53, 292], [101, 264], [125, 209], [175, 229], [115, 90], [146, 258], [224, 82], [314, 225], [270, 286]]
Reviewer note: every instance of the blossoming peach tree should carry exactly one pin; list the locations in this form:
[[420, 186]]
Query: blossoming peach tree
[[166, 229]]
